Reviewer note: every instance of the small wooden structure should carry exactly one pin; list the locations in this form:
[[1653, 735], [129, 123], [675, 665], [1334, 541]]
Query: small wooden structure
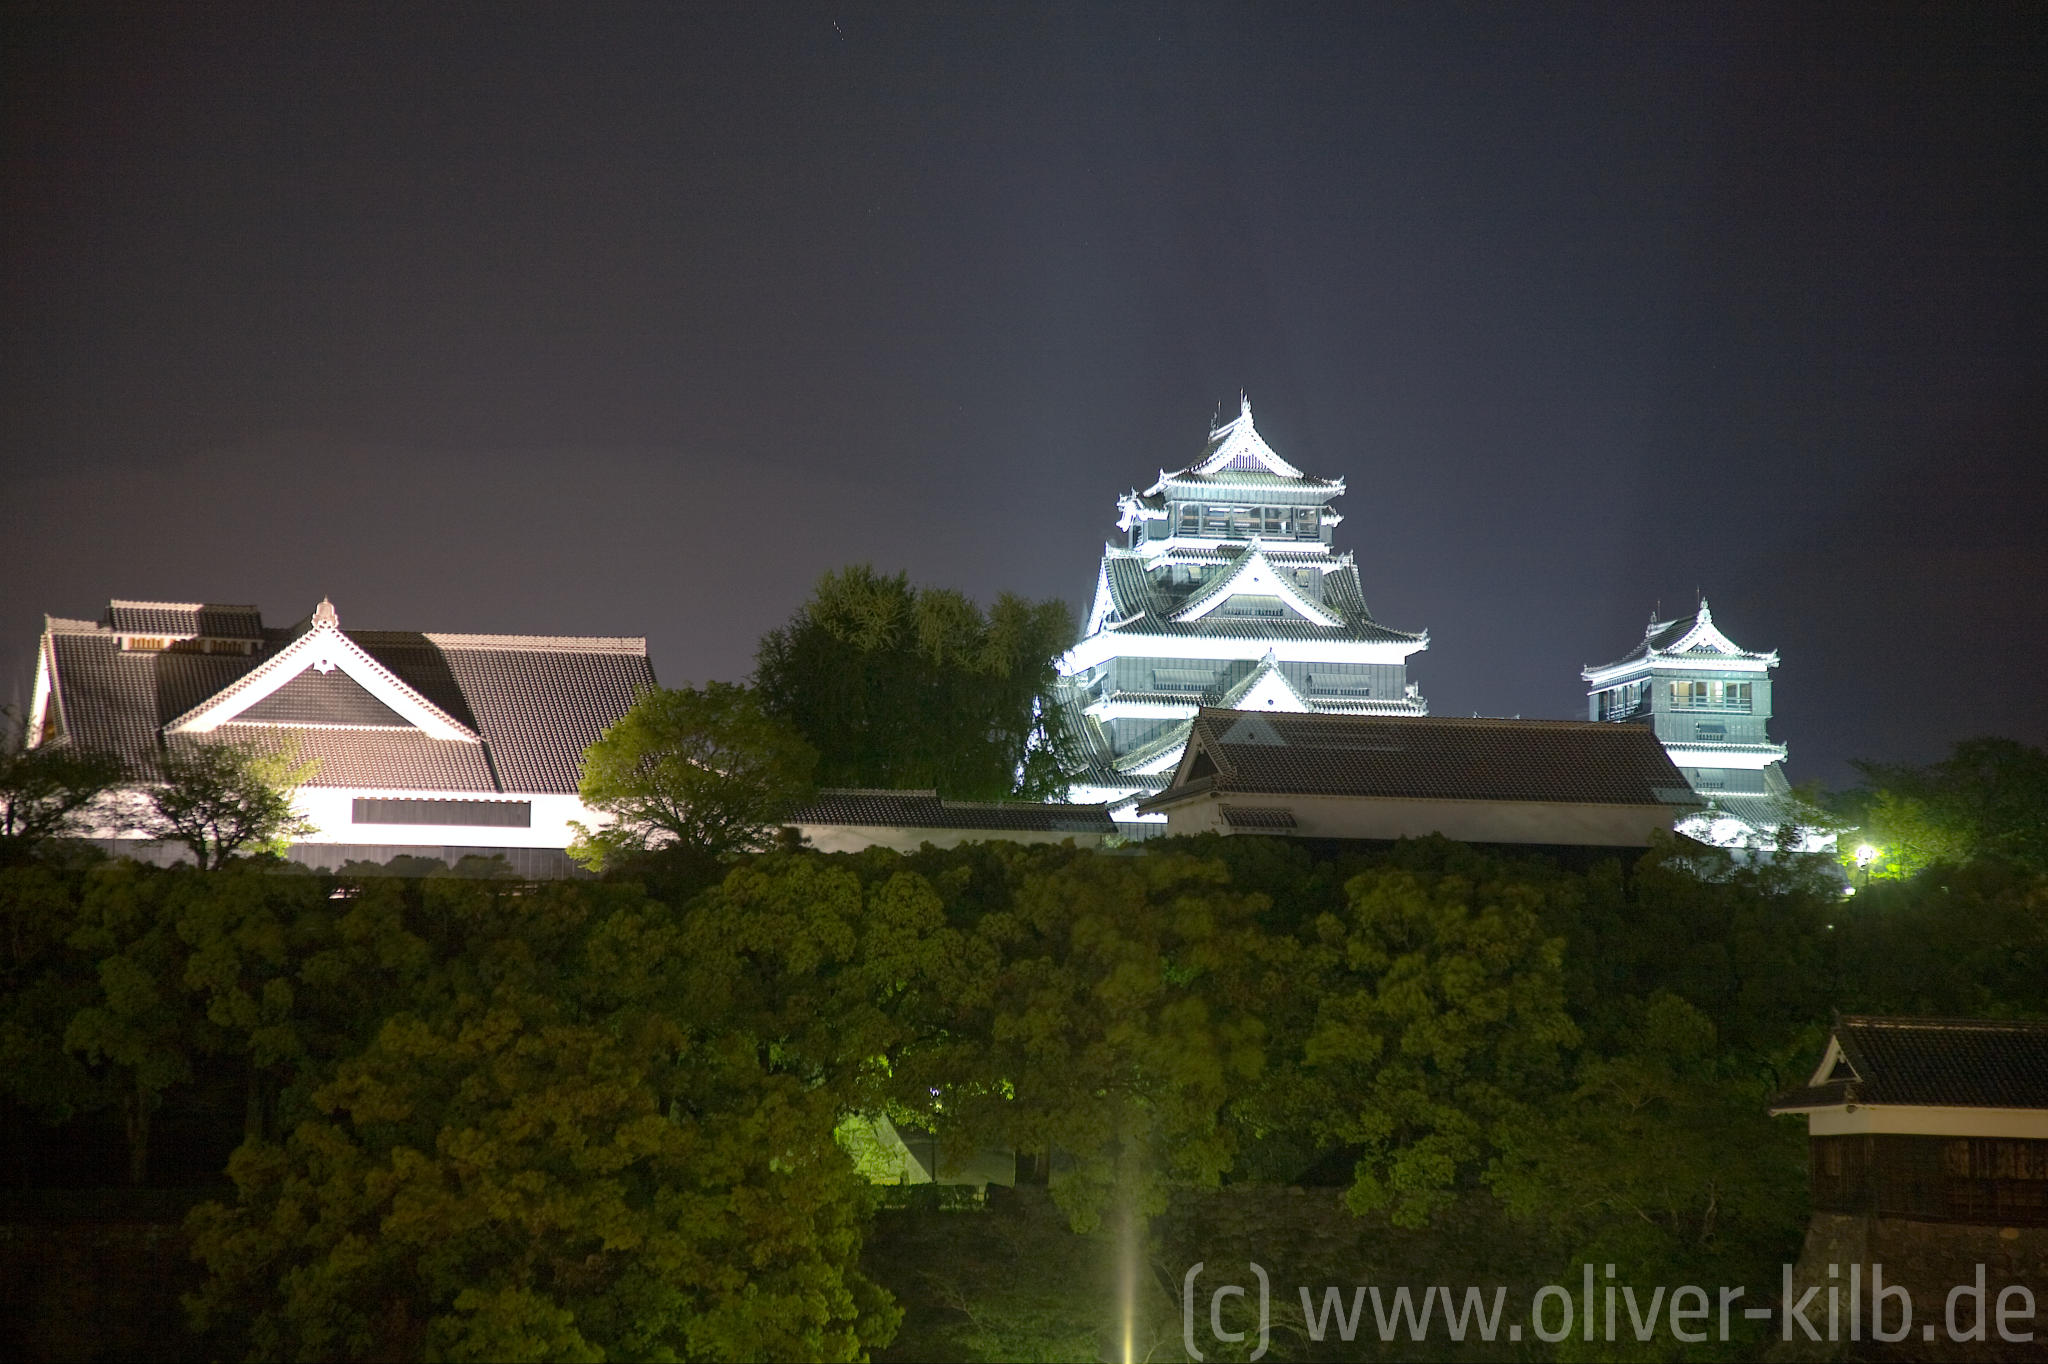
[[1929, 1119]]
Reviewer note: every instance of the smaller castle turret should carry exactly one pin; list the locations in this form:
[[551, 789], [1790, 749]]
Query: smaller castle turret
[[1709, 701]]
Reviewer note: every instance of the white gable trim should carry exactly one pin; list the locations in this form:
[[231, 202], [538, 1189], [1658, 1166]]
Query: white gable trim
[[1267, 689], [44, 694], [1186, 762], [1099, 612], [1272, 692], [323, 649], [1256, 576], [1828, 1060], [1240, 438]]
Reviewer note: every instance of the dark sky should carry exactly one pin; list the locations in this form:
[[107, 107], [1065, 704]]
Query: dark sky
[[634, 320]]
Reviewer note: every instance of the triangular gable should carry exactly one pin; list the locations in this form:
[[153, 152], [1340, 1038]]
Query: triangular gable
[[1253, 729], [1266, 688], [1255, 575], [1199, 759], [1834, 1057], [1704, 637], [1238, 445], [330, 699], [322, 648]]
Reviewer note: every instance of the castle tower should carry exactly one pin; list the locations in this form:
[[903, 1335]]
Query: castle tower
[[1709, 701], [1225, 592]]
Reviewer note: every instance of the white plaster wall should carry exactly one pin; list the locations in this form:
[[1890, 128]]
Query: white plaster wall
[[1855, 1119], [330, 809]]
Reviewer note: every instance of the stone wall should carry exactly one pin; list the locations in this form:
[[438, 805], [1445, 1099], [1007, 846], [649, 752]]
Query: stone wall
[[1927, 1259]]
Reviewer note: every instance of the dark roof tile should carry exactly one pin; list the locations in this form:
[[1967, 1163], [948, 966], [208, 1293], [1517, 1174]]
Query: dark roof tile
[[380, 759], [537, 702], [1430, 758], [170, 618], [1946, 1062]]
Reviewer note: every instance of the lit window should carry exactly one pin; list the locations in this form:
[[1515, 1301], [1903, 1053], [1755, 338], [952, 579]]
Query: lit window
[[1712, 695]]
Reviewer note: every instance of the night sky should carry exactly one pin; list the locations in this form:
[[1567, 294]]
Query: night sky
[[634, 321]]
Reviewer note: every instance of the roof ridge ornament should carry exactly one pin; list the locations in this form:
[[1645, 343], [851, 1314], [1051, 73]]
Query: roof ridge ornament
[[323, 614]]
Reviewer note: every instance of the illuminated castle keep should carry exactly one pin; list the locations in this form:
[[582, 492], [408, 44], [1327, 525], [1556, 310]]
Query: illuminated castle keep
[[1226, 592], [1709, 701]]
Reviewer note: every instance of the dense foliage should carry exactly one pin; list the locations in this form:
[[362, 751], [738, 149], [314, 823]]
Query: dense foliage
[[899, 686], [705, 769], [46, 792], [223, 800], [1988, 798], [483, 1118]]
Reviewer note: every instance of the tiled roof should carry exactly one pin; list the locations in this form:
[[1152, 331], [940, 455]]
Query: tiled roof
[[1665, 637], [1933, 1062], [1236, 477], [1764, 813], [381, 759], [1133, 593], [538, 709], [924, 810], [1428, 758], [536, 701], [1256, 817], [113, 701], [329, 698], [173, 618]]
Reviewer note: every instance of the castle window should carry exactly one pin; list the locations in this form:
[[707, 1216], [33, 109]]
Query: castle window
[[1244, 604], [1182, 679], [143, 644], [1712, 695], [505, 814], [1190, 519], [1618, 703]]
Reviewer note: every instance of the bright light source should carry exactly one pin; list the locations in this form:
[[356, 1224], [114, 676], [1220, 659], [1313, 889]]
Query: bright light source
[[1847, 891], [1865, 855]]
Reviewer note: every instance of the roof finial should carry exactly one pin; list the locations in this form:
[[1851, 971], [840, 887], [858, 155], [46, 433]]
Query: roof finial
[[1244, 404], [1706, 617], [323, 614]]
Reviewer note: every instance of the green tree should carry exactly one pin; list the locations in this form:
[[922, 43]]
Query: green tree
[[1661, 1158], [221, 799], [250, 933], [908, 687], [1440, 1019], [44, 982], [48, 791], [141, 1023], [705, 769], [538, 1156], [1988, 798], [1112, 1013]]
